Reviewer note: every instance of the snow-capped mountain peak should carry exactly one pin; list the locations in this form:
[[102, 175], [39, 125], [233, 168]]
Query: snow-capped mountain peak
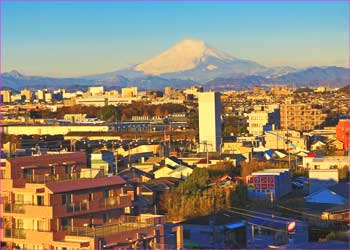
[[183, 56]]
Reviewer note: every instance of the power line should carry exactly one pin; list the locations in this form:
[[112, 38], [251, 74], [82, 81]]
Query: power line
[[257, 217], [272, 215]]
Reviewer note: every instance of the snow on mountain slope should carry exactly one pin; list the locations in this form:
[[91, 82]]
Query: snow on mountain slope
[[183, 56]]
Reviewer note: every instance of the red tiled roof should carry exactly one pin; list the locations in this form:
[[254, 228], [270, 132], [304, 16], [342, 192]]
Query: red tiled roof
[[44, 160], [67, 186]]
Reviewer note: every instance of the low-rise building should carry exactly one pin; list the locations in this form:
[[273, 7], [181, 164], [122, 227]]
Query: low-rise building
[[269, 184], [75, 118], [313, 161]]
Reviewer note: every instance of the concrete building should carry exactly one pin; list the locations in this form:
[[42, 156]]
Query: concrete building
[[104, 100], [48, 97], [263, 118], [194, 90], [27, 94], [301, 117], [209, 121], [343, 132], [129, 92], [103, 160], [6, 96], [311, 161], [75, 118], [96, 90], [52, 130], [40, 94], [269, 184], [55, 202], [278, 140]]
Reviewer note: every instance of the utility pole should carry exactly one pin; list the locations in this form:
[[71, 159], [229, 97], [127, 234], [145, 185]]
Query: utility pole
[[129, 157], [253, 237], [206, 146]]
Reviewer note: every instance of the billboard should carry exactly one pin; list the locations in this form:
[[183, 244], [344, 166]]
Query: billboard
[[261, 182]]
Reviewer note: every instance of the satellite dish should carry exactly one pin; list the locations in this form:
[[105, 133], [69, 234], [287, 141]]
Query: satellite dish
[[291, 226]]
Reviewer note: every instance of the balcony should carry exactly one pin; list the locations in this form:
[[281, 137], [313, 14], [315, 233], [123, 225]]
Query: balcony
[[54, 178], [127, 224], [14, 208], [14, 233], [77, 207], [94, 205]]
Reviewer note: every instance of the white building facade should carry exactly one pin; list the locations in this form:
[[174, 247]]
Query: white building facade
[[209, 121]]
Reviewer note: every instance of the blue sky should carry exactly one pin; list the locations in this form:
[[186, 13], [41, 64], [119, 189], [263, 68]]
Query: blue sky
[[78, 38]]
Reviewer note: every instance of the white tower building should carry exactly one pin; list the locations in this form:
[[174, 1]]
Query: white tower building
[[209, 121]]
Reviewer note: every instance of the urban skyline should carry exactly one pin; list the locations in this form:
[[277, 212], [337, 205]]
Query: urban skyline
[[174, 125]]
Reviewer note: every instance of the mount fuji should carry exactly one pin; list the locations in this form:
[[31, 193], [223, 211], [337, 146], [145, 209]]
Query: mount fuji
[[187, 63], [189, 60]]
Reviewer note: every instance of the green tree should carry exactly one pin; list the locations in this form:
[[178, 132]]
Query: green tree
[[235, 125], [327, 149]]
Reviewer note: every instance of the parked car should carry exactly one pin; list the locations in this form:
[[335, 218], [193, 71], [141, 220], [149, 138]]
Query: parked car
[[297, 185]]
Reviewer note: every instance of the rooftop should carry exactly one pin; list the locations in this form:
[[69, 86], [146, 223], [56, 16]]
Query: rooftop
[[81, 184]]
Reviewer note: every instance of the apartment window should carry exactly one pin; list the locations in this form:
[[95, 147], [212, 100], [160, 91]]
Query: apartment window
[[19, 223], [39, 225], [105, 217], [52, 170], [40, 200], [91, 196], [66, 199], [106, 193], [67, 169], [28, 173], [19, 199], [2, 173], [65, 223]]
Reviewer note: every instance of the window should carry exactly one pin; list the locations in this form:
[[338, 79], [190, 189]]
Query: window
[[40, 200], [19, 199], [67, 169], [105, 217], [66, 199], [28, 173], [65, 223], [39, 225], [91, 196], [19, 223], [106, 193]]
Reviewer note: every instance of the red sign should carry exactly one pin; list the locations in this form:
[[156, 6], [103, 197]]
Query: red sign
[[262, 182], [291, 226]]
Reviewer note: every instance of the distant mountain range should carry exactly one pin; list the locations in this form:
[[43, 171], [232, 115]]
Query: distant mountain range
[[187, 63]]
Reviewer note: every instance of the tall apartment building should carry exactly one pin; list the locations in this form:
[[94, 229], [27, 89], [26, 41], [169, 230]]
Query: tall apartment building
[[301, 117], [129, 92], [40, 94], [96, 90], [48, 97], [56, 202], [263, 118], [27, 94], [6, 96], [209, 121]]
